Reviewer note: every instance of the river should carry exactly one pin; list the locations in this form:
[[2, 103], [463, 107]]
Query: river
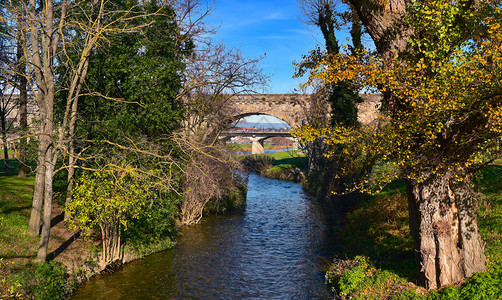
[[277, 248]]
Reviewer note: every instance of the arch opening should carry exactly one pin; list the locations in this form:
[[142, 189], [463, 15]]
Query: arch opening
[[260, 121], [259, 133]]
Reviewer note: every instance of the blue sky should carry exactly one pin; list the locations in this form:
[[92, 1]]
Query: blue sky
[[267, 27]]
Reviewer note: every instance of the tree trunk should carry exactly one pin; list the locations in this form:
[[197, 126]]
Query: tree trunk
[[3, 127], [44, 240], [444, 227], [23, 111], [38, 192]]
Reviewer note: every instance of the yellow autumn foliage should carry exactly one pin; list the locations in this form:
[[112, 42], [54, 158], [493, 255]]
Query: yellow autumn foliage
[[443, 99]]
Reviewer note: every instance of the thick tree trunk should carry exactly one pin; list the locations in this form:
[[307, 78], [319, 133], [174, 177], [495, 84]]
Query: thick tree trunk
[[444, 228], [23, 111]]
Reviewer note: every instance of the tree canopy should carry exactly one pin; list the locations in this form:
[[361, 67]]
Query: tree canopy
[[438, 69]]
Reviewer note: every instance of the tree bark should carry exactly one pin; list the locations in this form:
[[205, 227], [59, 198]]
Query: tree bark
[[38, 191], [443, 224], [23, 111], [442, 214], [386, 23], [46, 228], [3, 128]]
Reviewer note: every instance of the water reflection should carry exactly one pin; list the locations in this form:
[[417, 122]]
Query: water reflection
[[275, 249]]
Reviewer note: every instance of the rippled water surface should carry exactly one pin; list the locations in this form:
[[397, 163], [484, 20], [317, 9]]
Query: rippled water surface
[[275, 249]]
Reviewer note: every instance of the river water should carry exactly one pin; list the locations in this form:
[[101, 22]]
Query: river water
[[277, 248]]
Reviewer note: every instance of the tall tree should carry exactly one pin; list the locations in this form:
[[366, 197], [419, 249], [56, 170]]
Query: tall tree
[[48, 29], [339, 171], [22, 87], [439, 69], [214, 76]]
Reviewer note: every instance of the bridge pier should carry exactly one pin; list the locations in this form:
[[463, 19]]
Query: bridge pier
[[257, 146]]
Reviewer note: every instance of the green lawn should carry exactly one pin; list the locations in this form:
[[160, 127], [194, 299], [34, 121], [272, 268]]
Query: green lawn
[[15, 204], [17, 247]]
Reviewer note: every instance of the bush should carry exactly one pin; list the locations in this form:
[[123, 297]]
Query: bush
[[360, 279], [154, 228], [50, 281], [351, 280], [484, 286], [481, 286], [257, 163]]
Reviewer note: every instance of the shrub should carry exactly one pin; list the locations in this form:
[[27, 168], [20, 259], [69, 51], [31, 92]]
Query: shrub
[[360, 279], [351, 280], [257, 163], [50, 281], [481, 286]]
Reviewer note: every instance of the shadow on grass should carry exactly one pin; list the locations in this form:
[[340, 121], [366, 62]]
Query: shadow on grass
[[57, 219], [8, 210], [13, 167], [378, 228], [63, 246]]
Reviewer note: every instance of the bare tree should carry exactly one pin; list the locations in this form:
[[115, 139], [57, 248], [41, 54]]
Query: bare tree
[[323, 14], [215, 75]]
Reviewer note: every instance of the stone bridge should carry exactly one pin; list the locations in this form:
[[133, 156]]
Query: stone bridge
[[290, 108], [287, 107]]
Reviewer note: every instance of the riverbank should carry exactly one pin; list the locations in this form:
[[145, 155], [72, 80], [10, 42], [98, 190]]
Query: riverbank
[[379, 262], [286, 165], [276, 248], [72, 259]]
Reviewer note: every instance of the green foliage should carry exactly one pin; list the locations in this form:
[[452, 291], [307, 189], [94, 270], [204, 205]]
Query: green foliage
[[257, 163], [106, 197], [484, 286], [154, 228], [360, 279], [142, 69], [50, 281], [351, 280]]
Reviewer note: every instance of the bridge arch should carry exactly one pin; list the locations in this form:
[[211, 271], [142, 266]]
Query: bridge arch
[[286, 107]]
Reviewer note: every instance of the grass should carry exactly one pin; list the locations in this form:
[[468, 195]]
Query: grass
[[15, 206], [247, 147], [17, 247], [292, 158], [377, 234], [284, 165]]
